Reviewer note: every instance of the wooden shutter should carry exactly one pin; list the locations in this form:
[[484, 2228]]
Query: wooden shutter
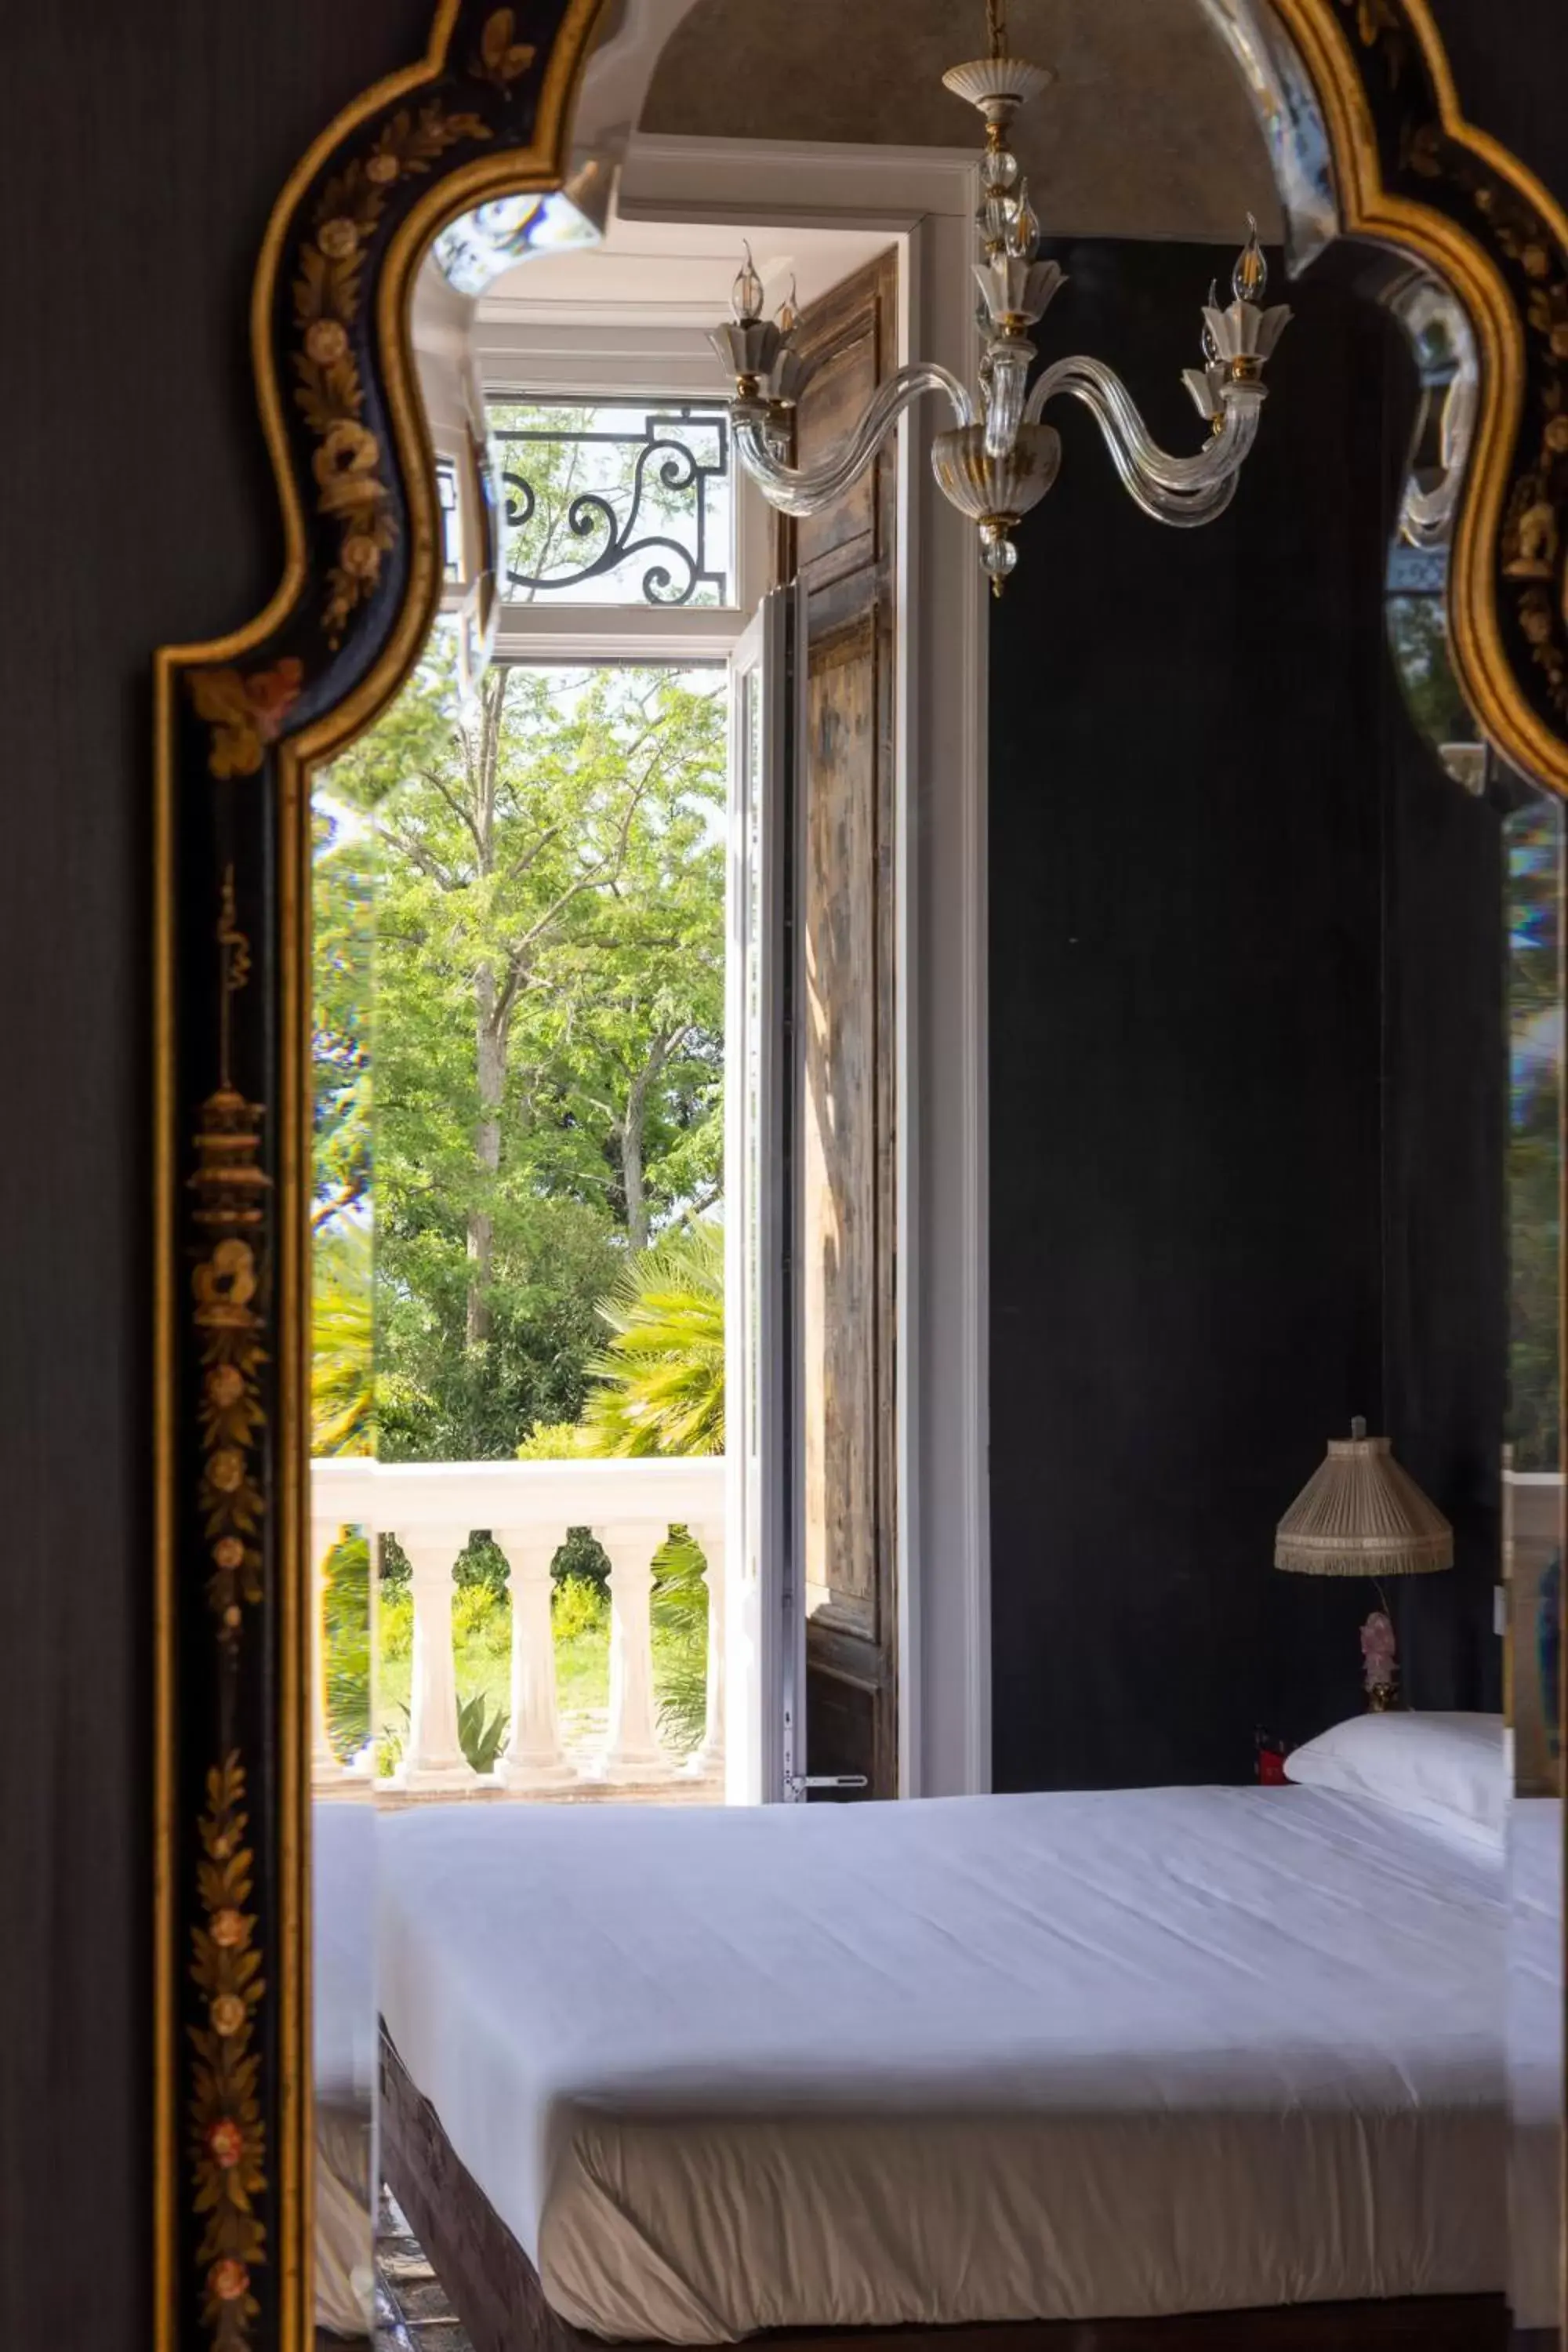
[[844, 559]]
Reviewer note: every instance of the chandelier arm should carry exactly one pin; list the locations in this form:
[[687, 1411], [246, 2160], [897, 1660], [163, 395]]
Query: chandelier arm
[[1103, 392], [1183, 512], [806, 490]]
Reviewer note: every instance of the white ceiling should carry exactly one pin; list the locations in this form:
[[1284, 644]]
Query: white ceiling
[[677, 271]]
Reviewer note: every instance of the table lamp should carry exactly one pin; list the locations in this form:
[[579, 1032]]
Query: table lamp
[[1359, 1514]]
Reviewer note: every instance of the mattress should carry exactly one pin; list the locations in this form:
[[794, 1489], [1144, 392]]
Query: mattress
[[343, 2059], [1535, 2059], [963, 2060]]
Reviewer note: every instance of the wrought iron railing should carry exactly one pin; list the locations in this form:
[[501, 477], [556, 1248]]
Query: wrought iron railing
[[618, 494]]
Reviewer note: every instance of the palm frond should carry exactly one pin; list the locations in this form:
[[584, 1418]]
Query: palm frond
[[660, 1379], [343, 1389]]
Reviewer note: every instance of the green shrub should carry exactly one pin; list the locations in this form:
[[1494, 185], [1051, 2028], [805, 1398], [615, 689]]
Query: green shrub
[[395, 1573], [556, 1441], [396, 1623], [480, 1613], [578, 1605], [482, 1564]]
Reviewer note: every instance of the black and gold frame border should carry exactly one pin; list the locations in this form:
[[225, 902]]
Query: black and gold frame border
[[241, 722], [1411, 174]]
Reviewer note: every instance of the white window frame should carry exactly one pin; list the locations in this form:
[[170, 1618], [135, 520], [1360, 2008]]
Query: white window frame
[[925, 203], [592, 363]]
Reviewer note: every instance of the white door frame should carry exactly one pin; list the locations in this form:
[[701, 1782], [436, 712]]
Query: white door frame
[[925, 201]]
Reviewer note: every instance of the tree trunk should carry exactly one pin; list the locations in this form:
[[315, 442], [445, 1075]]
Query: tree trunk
[[491, 1052], [634, 1121], [491, 1038]]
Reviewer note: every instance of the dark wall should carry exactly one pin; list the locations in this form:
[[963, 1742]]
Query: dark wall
[[1511, 66], [1241, 1188], [145, 142], [1444, 1202]]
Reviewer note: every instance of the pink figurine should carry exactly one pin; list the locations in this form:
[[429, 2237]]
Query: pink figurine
[[1378, 1650]]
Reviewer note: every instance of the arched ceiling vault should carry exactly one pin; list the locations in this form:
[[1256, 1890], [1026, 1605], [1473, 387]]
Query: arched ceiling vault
[[1146, 131]]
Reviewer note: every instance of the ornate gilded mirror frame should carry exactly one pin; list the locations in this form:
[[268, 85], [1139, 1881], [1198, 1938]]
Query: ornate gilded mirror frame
[[240, 722]]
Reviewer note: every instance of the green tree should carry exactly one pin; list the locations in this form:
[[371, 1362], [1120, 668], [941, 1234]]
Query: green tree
[[1418, 637], [547, 1023], [343, 913]]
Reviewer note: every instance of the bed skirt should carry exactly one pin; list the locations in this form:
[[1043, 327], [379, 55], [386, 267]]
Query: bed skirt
[[496, 2293]]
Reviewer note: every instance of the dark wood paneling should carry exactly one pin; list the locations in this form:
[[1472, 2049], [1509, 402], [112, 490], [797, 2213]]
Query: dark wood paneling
[[146, 140]]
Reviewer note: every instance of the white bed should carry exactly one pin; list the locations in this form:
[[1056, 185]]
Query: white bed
[[1535, 2059], [975, 2059], [343, 2068]]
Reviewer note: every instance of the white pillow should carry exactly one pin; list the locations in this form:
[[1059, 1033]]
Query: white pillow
[[1449, 1769]]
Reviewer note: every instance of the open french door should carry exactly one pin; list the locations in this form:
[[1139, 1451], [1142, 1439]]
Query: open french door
[[765, 1661], [767, 1380]]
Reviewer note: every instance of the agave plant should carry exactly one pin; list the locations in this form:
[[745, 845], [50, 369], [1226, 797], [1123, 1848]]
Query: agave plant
[[480, 1736]]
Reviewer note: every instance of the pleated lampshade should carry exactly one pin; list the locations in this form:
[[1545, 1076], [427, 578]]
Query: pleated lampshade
[[1359, 1514]]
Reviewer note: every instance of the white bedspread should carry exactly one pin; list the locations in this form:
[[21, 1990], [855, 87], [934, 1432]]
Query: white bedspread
[[343, 2054], [1535, 2059], [975, 2059]]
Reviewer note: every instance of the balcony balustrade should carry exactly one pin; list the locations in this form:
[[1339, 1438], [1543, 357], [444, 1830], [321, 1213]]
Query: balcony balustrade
[[526, 1508]]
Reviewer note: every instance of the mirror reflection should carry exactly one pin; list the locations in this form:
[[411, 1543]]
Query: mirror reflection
[[750, 1894]]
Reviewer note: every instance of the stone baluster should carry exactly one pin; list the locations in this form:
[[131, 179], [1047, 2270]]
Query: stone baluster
[[710, 1539], [433, 1757], [633, 1751], [533, 1757], [325, 1537]]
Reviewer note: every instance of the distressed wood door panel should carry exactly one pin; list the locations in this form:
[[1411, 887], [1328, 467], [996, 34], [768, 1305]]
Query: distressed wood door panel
[[845, 897], [847, 351], [838, 1144]]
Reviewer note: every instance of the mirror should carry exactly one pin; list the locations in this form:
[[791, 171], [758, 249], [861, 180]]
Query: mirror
[[664, 1256]]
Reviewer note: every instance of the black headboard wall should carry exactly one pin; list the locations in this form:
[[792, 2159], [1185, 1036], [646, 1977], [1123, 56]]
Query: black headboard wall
[[1246, 1063]]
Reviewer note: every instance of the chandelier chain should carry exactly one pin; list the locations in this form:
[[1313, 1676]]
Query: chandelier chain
[[996, 26]]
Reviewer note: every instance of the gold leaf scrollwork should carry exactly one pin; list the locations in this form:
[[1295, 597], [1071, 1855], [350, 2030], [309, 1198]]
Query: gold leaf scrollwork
[[228, 2141], [245, 713], [1532, 552], [503, 58], [226, 1285], [1533, 548], [1380, 27], [351, 491], [231, 1420]]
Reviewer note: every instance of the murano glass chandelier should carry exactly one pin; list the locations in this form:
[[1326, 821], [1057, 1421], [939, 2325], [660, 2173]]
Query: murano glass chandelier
[[999, 457]]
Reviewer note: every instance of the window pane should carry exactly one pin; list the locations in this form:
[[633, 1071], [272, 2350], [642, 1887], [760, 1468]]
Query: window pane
[[451, 536], [615, 502]]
